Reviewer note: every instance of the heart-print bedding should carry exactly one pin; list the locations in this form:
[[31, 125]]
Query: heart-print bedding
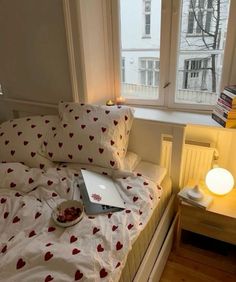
[[33, 248]]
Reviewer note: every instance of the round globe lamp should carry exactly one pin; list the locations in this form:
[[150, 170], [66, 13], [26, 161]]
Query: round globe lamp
[[219, 181]]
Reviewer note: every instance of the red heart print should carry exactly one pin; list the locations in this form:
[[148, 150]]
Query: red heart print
[[32, 233], [115, 122], [80, 147], [78, 275], [12, 185], [12, 152], [100, 248], [71, 110], [49, 278], [128, 211], [50, 155], [114, 227], [2, 133], [103, 129], [95, 118], [14, 125], [139, 174], [28, 119], [100, 150], [31, 180], [51, 229], [95, 230], [83, 126], [41, 166], [33, 126], [112, 142], [126, 118], [3, 200], [118, 264], [68, 190], [88, 111], [129, 187], [76, 117], [91, 137], [6, 142], [135, 199], [20, 263], [73, 239], [65, 125], [16, 219], [54, 194], [109, 215], [39, 135], [70, 156], [48, 256], [103, 273], [26, 143], [75, 251], [151, 198], [140, 212], [4, 249], [45, 143], [71, 134], [145, 183], [49, 182], [107, 112], [60, 144], [47, 121], [48, 244], [38, 214], [17, 194], [119, 246], [90, 160], [112, 163], [33, 154], [130, 226], [5, 215]]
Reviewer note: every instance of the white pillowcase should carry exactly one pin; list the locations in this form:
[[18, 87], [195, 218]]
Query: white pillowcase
[[20, 140], [90, 134]]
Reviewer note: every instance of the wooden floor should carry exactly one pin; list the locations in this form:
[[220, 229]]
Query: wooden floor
[[189, 263]]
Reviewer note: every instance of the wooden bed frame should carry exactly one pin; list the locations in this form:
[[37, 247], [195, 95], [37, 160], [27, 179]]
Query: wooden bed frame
[[145, 140]]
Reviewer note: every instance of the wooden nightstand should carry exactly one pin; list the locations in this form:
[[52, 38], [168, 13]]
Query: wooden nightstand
[[218, 221]]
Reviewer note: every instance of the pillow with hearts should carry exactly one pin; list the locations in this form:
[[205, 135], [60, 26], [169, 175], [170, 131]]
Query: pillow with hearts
[[20, 140], [90, 134]]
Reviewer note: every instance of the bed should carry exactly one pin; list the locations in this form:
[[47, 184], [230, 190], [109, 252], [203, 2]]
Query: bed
[[118, 246]]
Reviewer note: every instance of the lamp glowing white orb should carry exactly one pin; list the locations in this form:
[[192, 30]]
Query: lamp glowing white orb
[[219, 181]]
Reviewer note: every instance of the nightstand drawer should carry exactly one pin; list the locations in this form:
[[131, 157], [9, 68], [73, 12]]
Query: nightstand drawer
[[207, 223]]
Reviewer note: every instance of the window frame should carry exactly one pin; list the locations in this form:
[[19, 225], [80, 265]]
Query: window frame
[[146, 15], [170, 28]]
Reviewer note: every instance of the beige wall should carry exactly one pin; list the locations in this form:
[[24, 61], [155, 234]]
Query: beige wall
[[33, 51]]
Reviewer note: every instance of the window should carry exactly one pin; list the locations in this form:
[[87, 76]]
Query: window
[[149, 71], [180, 66], [147, 18], [199, 17]]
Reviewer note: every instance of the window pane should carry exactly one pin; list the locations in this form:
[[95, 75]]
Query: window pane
[[139, 18], [199, 22], [200, 56]]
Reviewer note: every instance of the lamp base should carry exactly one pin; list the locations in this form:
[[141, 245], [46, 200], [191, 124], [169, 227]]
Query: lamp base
[[195, 193]]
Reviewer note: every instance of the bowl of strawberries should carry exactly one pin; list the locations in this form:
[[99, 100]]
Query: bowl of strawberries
[[68, 213]]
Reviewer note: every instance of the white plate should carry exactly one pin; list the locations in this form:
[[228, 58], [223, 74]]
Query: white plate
[[68, 204]]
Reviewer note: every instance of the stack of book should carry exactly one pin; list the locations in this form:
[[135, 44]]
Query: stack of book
[[224, 111]]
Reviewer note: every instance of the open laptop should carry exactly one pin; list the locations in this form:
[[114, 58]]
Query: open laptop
[[99, 193]]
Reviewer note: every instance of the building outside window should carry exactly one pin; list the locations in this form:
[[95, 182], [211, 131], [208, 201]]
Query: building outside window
[[186, 66], [123, 70], [149, 71], [147, 18]]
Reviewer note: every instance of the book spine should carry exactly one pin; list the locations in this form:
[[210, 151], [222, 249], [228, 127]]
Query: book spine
[[221, 111], [229, 94], [223, 106], [231, 89], [218, 119], [226, 98], [228, 105]]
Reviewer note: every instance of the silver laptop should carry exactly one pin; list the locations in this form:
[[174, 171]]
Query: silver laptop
[[99, 193]]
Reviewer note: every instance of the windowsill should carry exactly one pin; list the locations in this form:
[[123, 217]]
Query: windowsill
[[176, 117]]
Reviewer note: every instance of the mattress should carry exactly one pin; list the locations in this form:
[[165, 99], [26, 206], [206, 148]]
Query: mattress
[[140, 246]]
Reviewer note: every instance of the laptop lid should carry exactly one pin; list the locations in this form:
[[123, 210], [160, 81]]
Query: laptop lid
[[101, 189]]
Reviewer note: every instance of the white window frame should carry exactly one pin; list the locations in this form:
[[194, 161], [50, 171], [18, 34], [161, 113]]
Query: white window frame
[[170, 28], [147, 70]]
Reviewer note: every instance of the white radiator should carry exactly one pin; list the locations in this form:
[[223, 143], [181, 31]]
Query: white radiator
[[196, 162]]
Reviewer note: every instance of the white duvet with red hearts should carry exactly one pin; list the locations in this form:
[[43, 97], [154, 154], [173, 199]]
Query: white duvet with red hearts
[[34, 248]]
